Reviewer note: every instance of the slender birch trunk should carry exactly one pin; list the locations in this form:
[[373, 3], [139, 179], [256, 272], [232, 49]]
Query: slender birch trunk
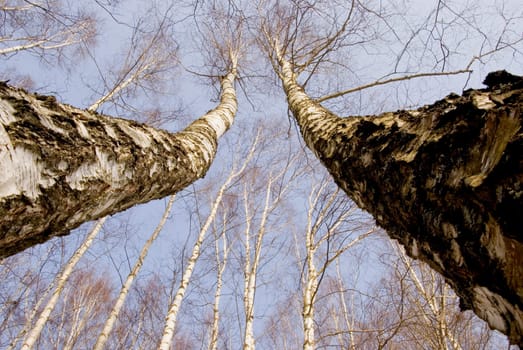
[[79, 320], [253, 244], [437, 307], [34, 312], [248, 299], [252, 261], [444, 180], [311, 282], [124, 291], [90, 238], [61, 166], [221, 263], [172, 314], [311, 286], [331, 216], [349, 322], [60, 282]]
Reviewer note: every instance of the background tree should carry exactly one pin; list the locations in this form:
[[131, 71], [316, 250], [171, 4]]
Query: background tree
[[174, 306], [328, 234], [45, 29]]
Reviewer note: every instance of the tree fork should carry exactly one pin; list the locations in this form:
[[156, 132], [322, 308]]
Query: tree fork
[[61, 166], [445, 180]]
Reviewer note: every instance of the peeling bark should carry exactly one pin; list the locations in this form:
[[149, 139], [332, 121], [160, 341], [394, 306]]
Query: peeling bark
[[445, 180], [61, 166]]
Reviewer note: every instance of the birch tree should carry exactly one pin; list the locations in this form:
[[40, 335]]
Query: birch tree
[[347, 318], [68, 268], [25, 291], [174, 307], [258, 206], [44, 28], [252, 262], [432, 309], [59, 285], [221, 254], [435, 295], [143, 312], [411, 307], [115, 311], [83, 305], [326, 239], [441, 179], [105, 161]]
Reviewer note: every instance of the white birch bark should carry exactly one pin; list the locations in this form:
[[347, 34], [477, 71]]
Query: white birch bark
[[94, 165], [312, 243], [109, 323], [349, 319], [69, 36], [172, 314], [436, 307], [322, 212], [60, 282], [317, 124], [311, 278], [310, 288], [252, 260], [248, 300], [253, 241], [221, 263], [90, 238], [174, 307]]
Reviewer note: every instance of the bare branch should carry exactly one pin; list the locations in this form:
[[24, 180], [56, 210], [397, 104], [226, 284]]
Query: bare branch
[[388, 81]]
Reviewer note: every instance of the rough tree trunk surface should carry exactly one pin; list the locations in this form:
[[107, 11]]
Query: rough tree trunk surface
[[61, 166], [445, 180]]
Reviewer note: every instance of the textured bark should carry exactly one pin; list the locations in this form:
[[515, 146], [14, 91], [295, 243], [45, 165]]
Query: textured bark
[[445, 180], [61, 166]]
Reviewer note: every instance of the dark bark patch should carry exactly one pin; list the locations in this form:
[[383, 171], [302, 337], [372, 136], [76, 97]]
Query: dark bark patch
[[447, 179]]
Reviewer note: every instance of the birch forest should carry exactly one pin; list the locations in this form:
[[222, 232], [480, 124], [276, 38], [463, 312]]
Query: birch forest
[[266, 174]]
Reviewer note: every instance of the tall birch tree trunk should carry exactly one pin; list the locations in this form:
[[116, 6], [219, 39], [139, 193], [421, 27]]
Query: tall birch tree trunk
[[435, 303], [348, 318], [252, 261], [61, 166], [221, 263], [325, 219], [124, 291], [309, 293], [174, 307], [60, 282], [445, 180]]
